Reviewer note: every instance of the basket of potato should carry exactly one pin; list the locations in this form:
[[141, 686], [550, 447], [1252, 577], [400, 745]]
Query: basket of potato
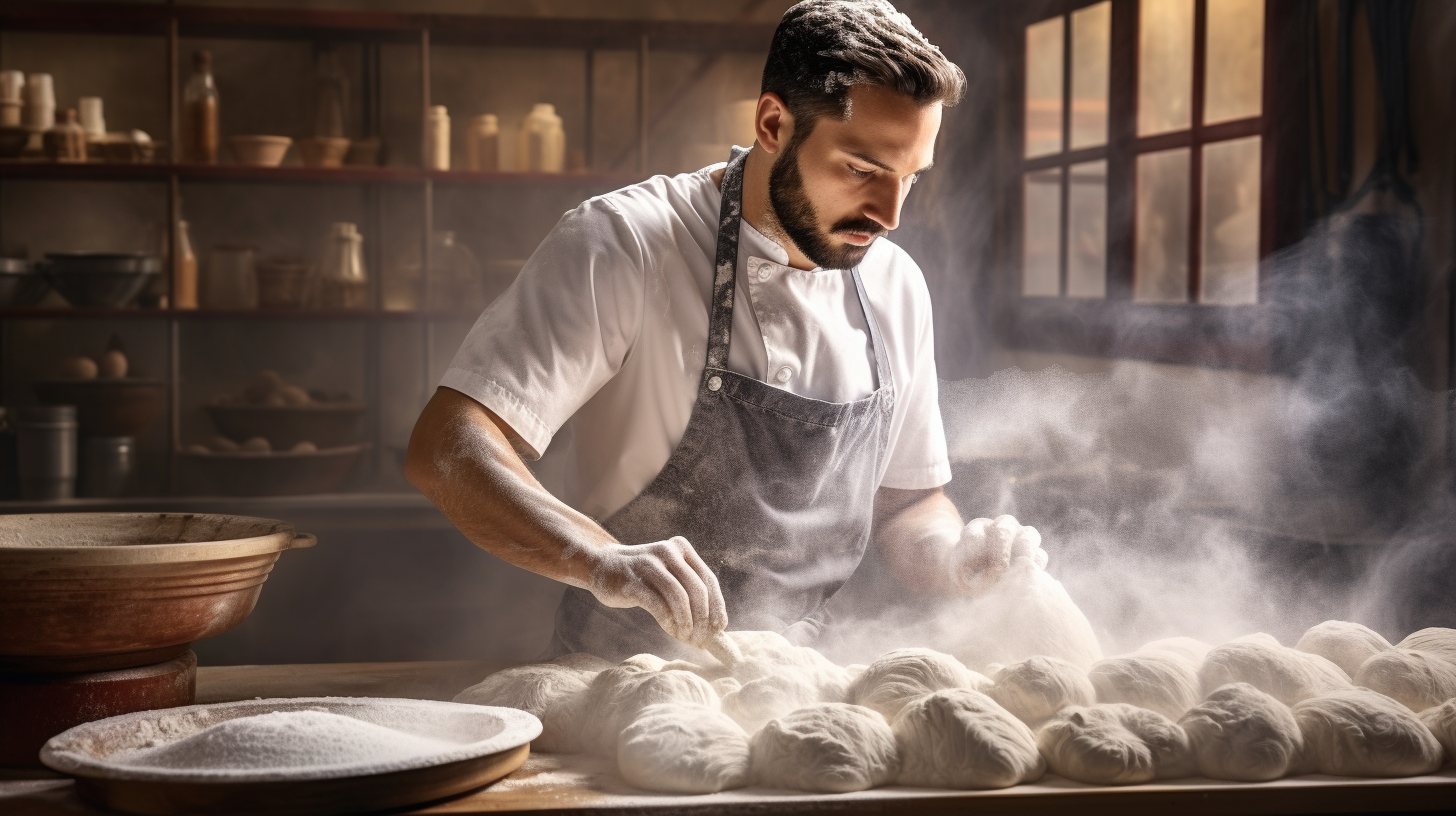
[[285, 415]]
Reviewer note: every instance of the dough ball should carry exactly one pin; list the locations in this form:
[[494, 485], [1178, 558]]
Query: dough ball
[[959, 738], [221, 444], [1035, 689], [726, 686], [264, 385], [1026, 613], [681, 748], [293, 396], [112, 364], [768, 698], [1441, 720], [1287, 674], [769, 654], [1243, 734], [561, 725], [645, 662], [826, 748], [532, 688], [1345, 644], [899, 676], [615, 697], [1262, 638], [1192, 649], [1435, 640], [256, 445], [1161, 681], [583, 662], [78, 368], [1115, 744], [305, 446], [1417, 680], [1359, 732]]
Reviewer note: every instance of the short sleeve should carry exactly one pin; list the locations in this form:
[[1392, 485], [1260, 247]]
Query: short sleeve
[[918, 459], [561, 330]]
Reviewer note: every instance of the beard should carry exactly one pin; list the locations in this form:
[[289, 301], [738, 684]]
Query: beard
[[800, 223]]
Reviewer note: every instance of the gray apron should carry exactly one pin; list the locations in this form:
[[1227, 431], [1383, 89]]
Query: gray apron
[[775, 491]]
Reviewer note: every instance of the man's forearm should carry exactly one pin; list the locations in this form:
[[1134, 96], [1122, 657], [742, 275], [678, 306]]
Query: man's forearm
[[461, 459], [917, 531]]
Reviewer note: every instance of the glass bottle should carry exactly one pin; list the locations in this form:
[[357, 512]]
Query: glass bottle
[[330, 94], [184, 270], [342, 282], [456, 284], [199, 112]]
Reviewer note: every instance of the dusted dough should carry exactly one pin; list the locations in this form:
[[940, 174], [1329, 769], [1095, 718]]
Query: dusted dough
[[1115, 744], [767, 698], [583, 662], [1359, 732], [1417, 680], [1243, 734], [899, 676], [1026, 613], [645, 662], [829, 748], [958, 738], [534, 688], [1441, 720], [769, 654], [681, 748], [1435, 641], [1039, 687], [1345, 644], [1161, 681], [1190, 648], [1287, 674], [617, 695]]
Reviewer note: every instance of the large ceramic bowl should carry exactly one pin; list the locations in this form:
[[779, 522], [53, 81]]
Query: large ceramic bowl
[[325, 424], [100, 280], [102, 591]]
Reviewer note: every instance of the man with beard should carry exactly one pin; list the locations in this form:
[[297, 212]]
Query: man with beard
[[734, 368]]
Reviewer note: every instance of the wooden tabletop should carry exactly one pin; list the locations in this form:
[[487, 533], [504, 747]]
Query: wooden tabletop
[[554, 782]]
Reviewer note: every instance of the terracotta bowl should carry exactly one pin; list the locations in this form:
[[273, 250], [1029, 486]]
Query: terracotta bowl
[[103, 591], [326, 424], [323, 151], [107, 406], [259, 151]]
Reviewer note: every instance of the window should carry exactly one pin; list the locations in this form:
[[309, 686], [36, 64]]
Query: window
[[1147, 174]]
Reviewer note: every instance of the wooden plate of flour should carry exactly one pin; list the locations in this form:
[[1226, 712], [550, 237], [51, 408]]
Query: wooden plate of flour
[[312, 755]]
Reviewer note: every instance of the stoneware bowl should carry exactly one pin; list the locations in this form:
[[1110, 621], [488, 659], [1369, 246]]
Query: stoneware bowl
[[102, 591], [323, 151], [325, 424], [259, 151]]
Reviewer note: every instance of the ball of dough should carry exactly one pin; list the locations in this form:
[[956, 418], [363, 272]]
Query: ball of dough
[[264, 385], [899, 676], [1435, 640], [767, 698], [1242, 734], [1191, 649], [1287, 674], [1262, 638], [1359, 732], [1441, 720], [645, 662], [1345, 644], [561, 725], [680, 748], [769, 654], [112, 364], [1417, 680], [615, 697], [256, 445], [78, 368], [293, 396], [305, 446], [221, 444], [959, 738], [535, 689], [1035, 689], [1161, 681], [583, 662], [1115, 744], [1027, 613], [827, 748]]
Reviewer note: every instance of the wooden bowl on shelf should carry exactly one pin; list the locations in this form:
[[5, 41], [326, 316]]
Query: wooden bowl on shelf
[[323, 151], [277, 473], [325, 424], [109, 406], [103, 591], [259, 151]]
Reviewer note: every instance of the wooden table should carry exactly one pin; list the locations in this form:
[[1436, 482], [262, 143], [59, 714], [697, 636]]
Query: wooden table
[[554, 782]]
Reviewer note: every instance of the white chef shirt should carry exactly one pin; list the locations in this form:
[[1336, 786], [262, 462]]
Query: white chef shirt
[[607, 323]]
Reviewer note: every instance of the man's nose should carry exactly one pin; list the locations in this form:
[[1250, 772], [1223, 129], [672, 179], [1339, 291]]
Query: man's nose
[[884, 202]]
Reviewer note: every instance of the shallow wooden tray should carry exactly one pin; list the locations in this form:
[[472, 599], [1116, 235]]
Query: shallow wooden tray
[[492, 742]]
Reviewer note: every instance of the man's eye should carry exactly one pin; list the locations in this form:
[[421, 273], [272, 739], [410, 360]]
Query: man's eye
[[860, 173]]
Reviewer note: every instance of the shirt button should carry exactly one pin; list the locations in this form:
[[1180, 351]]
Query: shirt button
[[784, 375]]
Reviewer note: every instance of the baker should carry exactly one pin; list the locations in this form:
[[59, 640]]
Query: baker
[[738, 369]]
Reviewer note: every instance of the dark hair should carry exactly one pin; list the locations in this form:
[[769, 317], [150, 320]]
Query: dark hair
[[822, 48]]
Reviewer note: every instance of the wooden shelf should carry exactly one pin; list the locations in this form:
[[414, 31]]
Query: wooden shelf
[[313, 315], [294, 174], [153, 19]]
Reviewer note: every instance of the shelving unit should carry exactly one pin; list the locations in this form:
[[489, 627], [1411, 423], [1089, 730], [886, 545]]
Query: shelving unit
[[170, 23]]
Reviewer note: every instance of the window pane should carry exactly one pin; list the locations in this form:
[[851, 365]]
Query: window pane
[[1161, 269], [1087, 231], [1044, 87], [1233, 86], [1091, 42], [1231, 222], [1041, 234], [1165, 66]]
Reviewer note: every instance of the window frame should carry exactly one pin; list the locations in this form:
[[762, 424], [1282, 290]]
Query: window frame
[[1214, 335]]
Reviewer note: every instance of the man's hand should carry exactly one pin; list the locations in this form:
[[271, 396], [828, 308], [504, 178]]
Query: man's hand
[[666, 578], [986, 549]]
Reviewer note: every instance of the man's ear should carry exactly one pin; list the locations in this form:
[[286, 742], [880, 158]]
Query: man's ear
[[774, 125]]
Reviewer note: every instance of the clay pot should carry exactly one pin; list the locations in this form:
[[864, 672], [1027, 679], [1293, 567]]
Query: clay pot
[[259, 151], [323, 151]]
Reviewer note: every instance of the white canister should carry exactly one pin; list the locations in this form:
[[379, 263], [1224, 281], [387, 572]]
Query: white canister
[[541, 147], [11, 83], [482, 144], [437, 139], [93, 121], [40, 102]]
